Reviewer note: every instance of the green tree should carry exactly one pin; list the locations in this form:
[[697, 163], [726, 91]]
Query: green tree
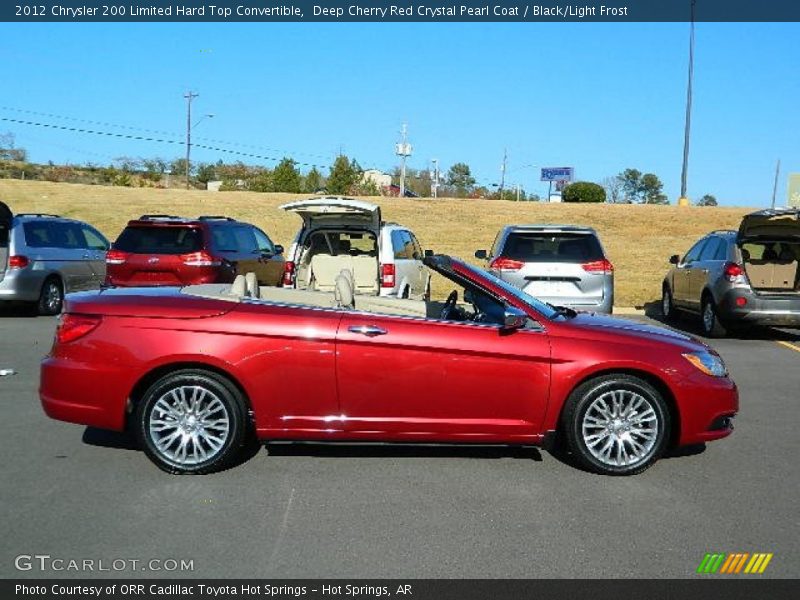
[[345, 175], [651, 190], [460, 178], [707, 200], [312, 181], [631, 183], [286, 178], [583, 191]]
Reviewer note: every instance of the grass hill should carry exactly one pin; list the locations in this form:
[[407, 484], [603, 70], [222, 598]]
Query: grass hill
[[638, 238]]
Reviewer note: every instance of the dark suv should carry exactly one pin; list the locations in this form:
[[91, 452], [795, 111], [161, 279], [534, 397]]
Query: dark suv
[[167, 250], [739, 278]]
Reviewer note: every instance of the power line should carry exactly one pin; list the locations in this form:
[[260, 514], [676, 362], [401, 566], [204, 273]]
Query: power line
[[143, 138], [161, 132]]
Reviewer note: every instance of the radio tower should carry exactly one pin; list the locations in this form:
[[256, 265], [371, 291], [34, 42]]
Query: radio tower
[[403, 150]]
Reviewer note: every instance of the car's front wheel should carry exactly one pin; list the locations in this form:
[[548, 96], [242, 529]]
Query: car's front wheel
[[616, 424], [192, 422]]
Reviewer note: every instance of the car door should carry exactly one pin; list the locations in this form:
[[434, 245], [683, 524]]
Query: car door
[[414, 378], [271, 262], [707, 264], [681, 282], [422, 275], [406, 273], [95, 248]]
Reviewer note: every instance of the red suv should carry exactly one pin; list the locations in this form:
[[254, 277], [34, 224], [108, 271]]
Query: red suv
[[167, 250]]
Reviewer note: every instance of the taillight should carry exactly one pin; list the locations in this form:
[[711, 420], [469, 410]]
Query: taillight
[[733, 271], [71, 327], [200, 259], [288, 272], [501, 263], [598, 266], [387, 276], [116, 257], [18, 261]]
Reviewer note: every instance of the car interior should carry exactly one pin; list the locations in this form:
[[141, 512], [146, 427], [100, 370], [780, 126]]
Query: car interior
[[772, 265], [324, 254], [477, 306]]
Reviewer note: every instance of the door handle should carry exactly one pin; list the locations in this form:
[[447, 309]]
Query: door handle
[[367, 330]]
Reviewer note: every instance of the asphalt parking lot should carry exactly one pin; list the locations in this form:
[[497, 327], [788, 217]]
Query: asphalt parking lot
[[400, 511]]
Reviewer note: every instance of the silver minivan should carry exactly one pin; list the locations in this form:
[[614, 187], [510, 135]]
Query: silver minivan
[[563, 265], [43, 257]]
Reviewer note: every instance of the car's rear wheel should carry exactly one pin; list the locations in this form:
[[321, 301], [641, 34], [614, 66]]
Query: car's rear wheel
[[51, 298], [709, 319], [192, 422], [667, 307], [616, 424]]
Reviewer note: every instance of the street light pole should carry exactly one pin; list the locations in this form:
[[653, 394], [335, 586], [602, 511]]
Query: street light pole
[[189, 97], [683, 199]]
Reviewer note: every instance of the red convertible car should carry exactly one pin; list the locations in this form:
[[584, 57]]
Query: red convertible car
[[197, 371]]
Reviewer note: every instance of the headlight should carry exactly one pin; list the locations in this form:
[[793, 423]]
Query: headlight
[[708, 363]]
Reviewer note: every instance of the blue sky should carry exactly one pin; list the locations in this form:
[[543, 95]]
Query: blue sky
[[597, 96]]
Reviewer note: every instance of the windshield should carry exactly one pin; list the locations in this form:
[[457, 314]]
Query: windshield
[[541, 307]]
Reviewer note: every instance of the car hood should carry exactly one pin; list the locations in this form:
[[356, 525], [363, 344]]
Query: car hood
[[773, 223], [593, 322]]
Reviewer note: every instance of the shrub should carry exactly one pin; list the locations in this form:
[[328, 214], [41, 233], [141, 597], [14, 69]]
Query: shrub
[[583, 191]]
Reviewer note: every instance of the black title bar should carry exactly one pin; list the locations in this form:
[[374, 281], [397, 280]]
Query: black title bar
[[397, 11]]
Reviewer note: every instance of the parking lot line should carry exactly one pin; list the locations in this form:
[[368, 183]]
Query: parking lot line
[[789, 345]]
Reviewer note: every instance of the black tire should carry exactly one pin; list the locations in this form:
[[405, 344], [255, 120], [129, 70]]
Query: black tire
[[667, 305], [583, 398], [230, 406], [405, 293], [51, 297], [709, 319]]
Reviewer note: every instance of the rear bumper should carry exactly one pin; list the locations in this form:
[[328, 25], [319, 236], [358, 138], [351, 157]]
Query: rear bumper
[[760, 309], [93, 395], [707, 406], [21, 285]]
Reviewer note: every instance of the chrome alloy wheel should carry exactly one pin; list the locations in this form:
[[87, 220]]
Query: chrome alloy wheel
[[620, 428], [189, 425]]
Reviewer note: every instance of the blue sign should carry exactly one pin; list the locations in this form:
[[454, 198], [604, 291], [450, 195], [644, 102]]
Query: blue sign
[[557, 174]]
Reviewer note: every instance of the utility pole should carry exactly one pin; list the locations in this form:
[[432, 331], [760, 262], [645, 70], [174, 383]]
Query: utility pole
[[775, 185], [503, 172], [403, 150], [517, 192], [189, 97], [683, 199], [435, 178]]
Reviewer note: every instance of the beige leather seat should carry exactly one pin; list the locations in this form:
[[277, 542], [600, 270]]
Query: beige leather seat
[[251, 285], [238, 287], [343, 291]]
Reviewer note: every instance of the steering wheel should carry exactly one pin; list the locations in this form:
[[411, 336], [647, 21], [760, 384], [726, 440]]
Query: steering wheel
[[449, 305]]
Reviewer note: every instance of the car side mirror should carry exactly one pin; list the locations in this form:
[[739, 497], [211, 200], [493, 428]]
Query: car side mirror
[[278, 249], [480, 254], [513, 318], [674, 259], [428, 253]]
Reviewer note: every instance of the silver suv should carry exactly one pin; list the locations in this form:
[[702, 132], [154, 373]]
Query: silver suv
[[563, 265], [42, 257], [733, 279]]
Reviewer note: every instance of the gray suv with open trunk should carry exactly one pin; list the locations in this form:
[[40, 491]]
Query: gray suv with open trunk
[[733, 279]]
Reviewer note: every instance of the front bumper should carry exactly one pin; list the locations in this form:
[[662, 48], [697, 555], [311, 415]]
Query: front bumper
[[760, 309], [707, 406]]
